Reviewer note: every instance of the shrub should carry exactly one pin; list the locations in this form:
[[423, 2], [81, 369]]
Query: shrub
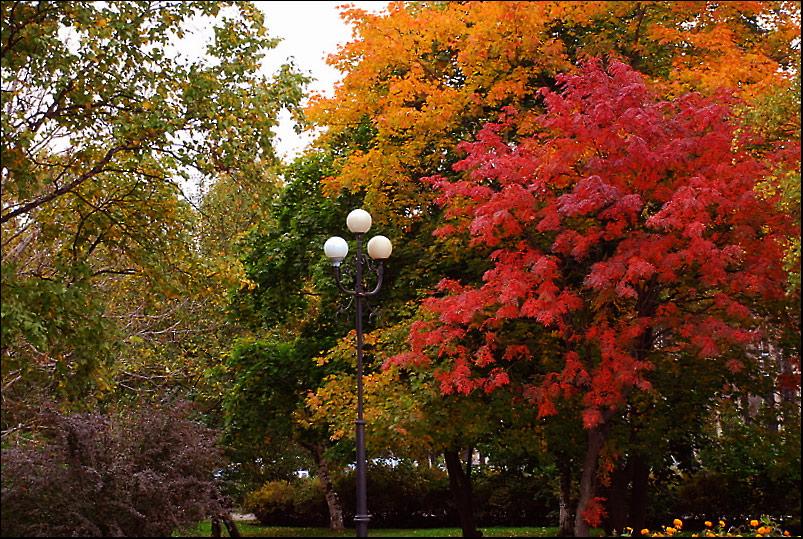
[[300, 502], [400, 496], [143, 472], [515, 499]]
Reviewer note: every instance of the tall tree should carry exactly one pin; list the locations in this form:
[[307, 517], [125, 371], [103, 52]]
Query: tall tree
[[626, 231], [425, 76], [290, 305], [105, 130]]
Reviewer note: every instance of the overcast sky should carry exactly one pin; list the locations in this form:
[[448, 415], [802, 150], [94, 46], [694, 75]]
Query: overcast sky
[[310, 31]]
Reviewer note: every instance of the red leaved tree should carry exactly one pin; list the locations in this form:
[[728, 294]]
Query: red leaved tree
[[626, 230]]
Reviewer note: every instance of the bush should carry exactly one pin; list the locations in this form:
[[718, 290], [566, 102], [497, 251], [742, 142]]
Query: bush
[[400, 496], [408, 496], [284, 503], [514, 499], [141, 473], [745, 469]]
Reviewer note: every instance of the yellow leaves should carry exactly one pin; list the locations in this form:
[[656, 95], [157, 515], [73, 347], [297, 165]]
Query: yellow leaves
[[151, 171], [247, 284]]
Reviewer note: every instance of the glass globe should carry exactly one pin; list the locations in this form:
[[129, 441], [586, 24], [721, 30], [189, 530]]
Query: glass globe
[[359, 221], [379, 248], [336, 249]]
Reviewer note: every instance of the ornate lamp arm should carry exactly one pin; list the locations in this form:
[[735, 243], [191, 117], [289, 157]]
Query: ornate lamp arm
[[338, 280], [380, 272]]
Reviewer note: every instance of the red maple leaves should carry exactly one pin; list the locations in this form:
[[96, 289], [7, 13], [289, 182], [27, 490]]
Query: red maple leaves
[[625, 227]]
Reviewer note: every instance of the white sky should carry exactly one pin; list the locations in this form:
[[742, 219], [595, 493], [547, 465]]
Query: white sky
[[310, 31]]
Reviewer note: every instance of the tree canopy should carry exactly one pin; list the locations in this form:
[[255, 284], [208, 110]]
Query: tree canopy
[[624, 229], [594, 290]]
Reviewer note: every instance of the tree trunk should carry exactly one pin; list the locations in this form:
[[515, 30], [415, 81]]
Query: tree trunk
[[588, 480], [231, 527], [460, 486], [332, 499], [638, 494], [617, 505], [567, 508], [787, 393], [469, 464], [773, 363], [215, 526]]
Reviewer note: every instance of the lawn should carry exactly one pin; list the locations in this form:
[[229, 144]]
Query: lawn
[[252, 529]]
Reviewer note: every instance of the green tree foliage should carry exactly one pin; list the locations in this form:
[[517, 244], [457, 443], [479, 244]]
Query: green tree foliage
[[290, 304], [292, 287], [105, 127], [269, 381]]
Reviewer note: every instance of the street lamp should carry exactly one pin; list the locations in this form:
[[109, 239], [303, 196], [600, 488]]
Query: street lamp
[[336, 249]]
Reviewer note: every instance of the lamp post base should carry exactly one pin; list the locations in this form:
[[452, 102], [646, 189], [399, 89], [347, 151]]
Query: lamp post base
[[361, 524], [361, 516]]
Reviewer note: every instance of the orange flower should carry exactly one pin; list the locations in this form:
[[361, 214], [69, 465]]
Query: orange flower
[[645, 531], [677, 523], [754, 523], [707, 523], [786, 534], [670, 530], [721, 523]]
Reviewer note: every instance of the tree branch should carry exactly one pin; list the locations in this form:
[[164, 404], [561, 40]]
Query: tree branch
[[97, 169]]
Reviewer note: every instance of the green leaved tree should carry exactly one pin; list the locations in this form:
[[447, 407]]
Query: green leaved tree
[[110, 139]]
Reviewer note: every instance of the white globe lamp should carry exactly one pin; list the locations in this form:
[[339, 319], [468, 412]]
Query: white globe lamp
[[336, 249], [359, 221], [379, 248]]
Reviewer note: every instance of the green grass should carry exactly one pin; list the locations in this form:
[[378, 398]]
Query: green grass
[[251, 529]]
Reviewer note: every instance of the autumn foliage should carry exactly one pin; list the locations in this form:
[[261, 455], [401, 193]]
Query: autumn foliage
[[421, 78], [629, 225], [626, 229]]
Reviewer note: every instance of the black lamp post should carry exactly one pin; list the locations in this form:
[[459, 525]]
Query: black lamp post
[[379, 248]]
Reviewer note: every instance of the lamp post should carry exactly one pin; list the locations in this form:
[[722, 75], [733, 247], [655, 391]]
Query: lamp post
[[336, 249]]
